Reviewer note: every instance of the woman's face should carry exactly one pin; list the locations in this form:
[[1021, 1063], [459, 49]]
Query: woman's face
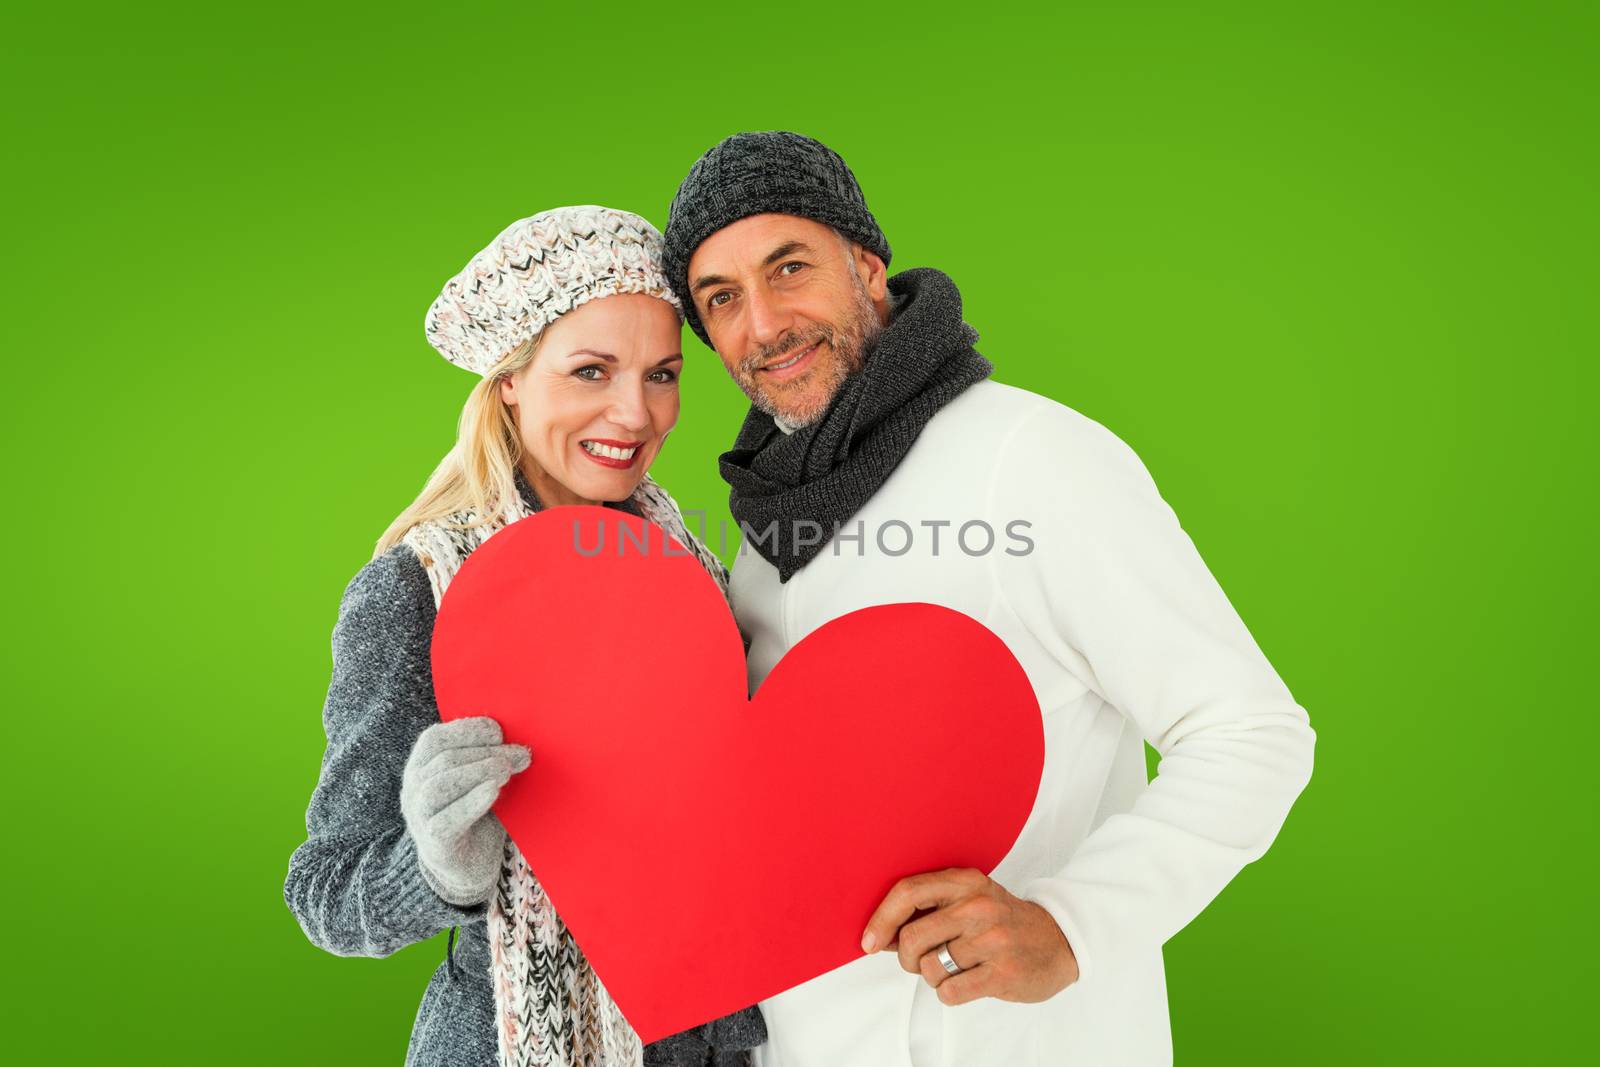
[[595, 403]]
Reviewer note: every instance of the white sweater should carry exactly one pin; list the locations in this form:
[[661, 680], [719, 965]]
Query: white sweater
[[1126, 638]]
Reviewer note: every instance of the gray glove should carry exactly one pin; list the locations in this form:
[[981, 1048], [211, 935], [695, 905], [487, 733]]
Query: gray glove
[[453, 775]]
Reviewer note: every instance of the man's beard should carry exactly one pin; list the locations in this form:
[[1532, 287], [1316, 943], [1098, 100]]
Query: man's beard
[[848, 345]]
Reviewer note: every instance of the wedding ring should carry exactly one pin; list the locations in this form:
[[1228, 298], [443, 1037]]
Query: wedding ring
[[945, 961]]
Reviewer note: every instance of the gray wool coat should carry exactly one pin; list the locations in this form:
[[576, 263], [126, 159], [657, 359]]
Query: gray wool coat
[[355, 886]]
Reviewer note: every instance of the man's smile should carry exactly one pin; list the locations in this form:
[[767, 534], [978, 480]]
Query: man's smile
[[793, 365]]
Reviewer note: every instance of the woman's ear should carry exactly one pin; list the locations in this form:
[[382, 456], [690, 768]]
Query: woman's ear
[[508, 389]]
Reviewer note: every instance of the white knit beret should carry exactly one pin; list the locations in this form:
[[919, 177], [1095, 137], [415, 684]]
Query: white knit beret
[[537, 270]]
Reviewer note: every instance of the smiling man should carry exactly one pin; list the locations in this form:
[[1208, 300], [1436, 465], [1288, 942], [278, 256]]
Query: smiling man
[[879, 463], [792, 368]]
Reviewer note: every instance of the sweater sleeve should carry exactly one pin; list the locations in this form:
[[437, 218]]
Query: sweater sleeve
[[355, 885], [1117, 588]]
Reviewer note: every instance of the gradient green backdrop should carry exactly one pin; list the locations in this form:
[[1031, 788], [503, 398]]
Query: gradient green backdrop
[[1327, 268]]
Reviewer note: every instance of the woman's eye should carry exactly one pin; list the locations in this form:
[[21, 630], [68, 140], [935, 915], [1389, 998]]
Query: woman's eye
[[584, 373], [664, 375]]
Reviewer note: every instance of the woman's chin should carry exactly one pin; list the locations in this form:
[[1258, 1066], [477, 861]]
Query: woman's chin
[[611, 490]]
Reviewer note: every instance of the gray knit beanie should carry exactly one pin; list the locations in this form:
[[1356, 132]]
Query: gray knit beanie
[[753, 174]]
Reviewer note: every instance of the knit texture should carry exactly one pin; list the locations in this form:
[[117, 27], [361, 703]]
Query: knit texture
[[537, 270], [823, 473], [754, 174], [355, 885]]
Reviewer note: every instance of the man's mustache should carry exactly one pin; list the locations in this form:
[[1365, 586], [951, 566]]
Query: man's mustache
[[775, 353]]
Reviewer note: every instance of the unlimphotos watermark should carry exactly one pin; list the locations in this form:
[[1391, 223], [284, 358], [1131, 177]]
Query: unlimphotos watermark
[[890, 537]]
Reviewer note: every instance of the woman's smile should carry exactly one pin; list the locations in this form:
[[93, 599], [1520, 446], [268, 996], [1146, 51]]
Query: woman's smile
[[618, 455]]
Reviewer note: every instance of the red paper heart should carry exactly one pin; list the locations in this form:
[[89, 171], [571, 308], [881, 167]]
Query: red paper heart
[[707, 850]]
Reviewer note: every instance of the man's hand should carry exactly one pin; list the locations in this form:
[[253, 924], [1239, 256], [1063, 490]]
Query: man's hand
[[1006, 947]]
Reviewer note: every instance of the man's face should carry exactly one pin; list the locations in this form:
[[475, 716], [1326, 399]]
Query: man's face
[[791, 307]]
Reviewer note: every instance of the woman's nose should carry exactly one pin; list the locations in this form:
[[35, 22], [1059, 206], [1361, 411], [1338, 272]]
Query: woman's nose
[[628, 409]]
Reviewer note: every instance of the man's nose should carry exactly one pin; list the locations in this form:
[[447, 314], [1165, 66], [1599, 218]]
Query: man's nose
[[770, 318]]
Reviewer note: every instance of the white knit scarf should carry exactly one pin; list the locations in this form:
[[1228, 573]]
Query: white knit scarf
[[550, 1008]]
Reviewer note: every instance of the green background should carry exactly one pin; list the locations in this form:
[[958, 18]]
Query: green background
[[1327, 268]]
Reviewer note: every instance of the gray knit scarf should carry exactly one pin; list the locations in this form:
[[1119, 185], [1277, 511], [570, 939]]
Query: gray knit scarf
[[823, 473]]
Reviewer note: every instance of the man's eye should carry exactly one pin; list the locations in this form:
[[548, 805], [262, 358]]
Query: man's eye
[[795, 264], [584, 373], [717, 299]]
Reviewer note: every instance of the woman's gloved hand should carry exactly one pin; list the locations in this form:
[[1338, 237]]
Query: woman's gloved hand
[[453, 775]]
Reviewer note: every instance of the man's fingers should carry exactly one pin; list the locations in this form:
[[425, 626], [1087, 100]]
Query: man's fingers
[[981, 981], [932, 969], [910, 894], [922, 936]]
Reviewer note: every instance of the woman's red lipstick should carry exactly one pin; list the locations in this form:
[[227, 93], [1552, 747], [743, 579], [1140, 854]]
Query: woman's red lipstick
[[611, 461]]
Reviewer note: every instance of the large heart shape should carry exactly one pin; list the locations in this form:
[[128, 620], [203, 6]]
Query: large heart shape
[[707, 850]]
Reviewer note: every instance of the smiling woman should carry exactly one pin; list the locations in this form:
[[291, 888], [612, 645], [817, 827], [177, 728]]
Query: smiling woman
[[591, 420], [603, 374], [569, 321]]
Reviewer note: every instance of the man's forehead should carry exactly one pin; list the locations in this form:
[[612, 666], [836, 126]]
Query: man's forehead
[[747, 242]]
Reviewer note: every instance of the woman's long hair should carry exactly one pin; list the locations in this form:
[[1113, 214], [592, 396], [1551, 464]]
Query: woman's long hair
[[478, 474]]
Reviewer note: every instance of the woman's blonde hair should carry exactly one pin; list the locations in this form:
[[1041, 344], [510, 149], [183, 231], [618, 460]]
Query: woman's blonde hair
[[479, 473]]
